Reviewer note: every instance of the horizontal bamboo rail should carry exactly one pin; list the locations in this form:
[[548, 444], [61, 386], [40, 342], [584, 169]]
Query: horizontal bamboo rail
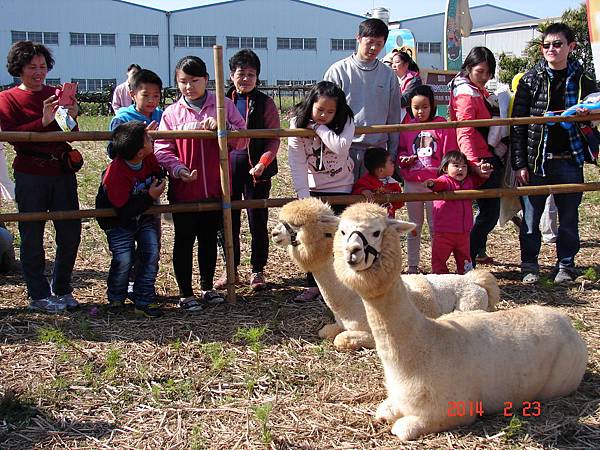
[[59, 136], [335, 200]]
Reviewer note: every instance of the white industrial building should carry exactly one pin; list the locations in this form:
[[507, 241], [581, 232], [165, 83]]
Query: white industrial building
[[429, 31], [93, 41]]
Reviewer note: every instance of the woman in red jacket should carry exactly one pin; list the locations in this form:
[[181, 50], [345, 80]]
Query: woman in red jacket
[[42, 182], [468, 101]]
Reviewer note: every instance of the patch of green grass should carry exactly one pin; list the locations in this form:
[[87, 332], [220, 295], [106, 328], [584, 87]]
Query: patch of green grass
[[253, 337], [173, 390], [197, 441], [112, 362], [176, 345], [580, 325], [590, 274], [261, 413], [60, 383], [515, 428], [250, 383], [219, 357], [48, 334]]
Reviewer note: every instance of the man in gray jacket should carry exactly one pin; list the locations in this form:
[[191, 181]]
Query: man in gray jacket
[[372, 91]]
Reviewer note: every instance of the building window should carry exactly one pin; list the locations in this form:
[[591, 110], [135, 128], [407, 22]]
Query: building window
[[435, 47], [45, 37], [194, 41], [179, 40], [209, 41], [143, 40], [107, 40], [18, 36], [260, 42], [295, 82], [53, 81], [296, 43], [93, 39], [94, 84], [35, 36], [429, 47], [233, 42], [246, 42]]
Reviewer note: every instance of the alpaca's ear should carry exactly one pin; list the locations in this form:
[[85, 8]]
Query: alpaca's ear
[[330, 220], [400, 226]]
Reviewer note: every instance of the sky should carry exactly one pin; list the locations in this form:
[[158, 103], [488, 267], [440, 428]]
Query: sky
[[400, 9]]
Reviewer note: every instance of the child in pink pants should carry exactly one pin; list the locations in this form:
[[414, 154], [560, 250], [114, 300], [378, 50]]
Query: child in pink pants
[[453, 219]]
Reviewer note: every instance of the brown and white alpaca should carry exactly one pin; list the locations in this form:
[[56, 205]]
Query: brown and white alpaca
[[306, 228], [530, 353]]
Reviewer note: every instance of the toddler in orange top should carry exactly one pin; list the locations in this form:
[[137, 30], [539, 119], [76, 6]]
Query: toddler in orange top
[[379, 180]]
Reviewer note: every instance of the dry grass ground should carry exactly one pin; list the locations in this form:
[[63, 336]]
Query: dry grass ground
[[253, 375]]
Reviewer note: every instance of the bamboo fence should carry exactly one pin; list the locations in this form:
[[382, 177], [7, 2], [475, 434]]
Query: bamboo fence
[[226, 205]]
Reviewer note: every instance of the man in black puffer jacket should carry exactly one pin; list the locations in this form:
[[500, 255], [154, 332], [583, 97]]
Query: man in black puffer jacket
[[550, 154]]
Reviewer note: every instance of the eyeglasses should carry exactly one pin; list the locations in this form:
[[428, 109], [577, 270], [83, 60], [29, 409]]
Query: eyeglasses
[[555, 44]]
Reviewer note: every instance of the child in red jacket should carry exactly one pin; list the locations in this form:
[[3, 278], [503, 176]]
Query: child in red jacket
[[453, 219], [379, 180]]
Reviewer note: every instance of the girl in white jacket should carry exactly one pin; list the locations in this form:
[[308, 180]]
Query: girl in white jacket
[[321, 165]]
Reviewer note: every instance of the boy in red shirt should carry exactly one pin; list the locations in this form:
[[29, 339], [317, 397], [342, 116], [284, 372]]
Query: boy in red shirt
[[131, 184], [379, 180]]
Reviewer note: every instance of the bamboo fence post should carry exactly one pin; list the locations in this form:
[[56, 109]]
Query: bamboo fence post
[[224, 160]]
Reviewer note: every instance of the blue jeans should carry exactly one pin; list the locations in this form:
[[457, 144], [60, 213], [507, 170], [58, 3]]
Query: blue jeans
[[567, 241], [40, 193], [489, 210], [121, 242]]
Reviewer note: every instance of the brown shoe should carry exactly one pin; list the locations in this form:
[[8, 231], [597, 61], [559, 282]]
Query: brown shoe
[[221, 283], [258, 281]]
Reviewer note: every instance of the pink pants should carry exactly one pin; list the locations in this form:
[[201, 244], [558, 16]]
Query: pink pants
[[443, 245]]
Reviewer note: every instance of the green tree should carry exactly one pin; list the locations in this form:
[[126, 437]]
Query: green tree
[[576, 19]]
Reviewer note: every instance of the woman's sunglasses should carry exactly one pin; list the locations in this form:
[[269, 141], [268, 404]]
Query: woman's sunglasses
[[555, 44]]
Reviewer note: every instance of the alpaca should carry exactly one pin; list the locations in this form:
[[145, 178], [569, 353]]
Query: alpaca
[[306, 228], [530, 353]]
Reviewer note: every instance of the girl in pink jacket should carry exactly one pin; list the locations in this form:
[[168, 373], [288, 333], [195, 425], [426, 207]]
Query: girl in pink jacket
[[193, 166], [419, 156], [453, 219]]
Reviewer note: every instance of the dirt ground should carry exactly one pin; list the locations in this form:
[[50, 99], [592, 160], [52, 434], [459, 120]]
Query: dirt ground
[[254, 374]]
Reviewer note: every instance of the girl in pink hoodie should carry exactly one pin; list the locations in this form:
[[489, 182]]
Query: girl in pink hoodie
[[193, 166], [419, 156], [453, 219]]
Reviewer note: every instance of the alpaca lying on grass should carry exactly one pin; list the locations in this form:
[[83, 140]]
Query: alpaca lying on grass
[[307, 227], [530, 353]]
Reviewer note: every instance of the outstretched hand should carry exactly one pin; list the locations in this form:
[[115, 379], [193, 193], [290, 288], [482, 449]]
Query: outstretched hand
[[188, 176]]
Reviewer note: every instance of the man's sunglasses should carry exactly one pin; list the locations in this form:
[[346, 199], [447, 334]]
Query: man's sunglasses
[[555, 44]]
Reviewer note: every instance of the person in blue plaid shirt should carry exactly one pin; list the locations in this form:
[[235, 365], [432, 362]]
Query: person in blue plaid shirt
[[544, 154]]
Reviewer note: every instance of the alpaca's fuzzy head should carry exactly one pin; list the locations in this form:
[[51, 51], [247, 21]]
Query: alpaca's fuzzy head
[[306, 228], [367, 248]]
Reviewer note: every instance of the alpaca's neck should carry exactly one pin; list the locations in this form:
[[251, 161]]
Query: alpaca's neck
[[398, 328], [335, 293]]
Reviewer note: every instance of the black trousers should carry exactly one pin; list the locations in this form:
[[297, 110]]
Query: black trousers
[[189, 227]]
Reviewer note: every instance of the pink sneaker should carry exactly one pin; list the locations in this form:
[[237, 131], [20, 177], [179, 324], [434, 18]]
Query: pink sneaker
[[258, 281], [307, 295], [221, 283]]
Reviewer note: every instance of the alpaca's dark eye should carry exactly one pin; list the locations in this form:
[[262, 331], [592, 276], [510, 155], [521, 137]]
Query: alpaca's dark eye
[[343, 232], [377, 233]]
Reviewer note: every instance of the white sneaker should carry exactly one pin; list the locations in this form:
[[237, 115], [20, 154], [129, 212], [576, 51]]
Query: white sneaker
[[531, 278]]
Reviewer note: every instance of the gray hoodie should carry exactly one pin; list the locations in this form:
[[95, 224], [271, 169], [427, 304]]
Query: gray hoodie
[[373, 93]]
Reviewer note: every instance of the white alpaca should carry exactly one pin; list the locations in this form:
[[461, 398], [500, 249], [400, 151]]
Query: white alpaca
[[531, 353], [307, 227]]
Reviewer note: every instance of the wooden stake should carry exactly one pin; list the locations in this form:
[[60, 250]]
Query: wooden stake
[[59, 136], [334, 200], [224, 159]]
